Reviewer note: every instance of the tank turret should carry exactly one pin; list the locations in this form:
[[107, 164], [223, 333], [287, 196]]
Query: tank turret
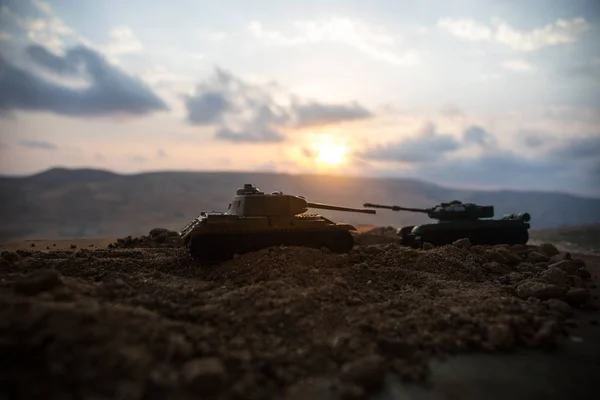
[[452, 211], [251, 202], [255, 220], [457, 220]]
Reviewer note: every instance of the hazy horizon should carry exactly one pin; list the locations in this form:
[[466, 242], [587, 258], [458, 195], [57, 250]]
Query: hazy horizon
[[308, 173], [462, 94]]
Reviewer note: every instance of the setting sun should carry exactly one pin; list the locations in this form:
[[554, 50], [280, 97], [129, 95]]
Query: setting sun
[[330, 153]]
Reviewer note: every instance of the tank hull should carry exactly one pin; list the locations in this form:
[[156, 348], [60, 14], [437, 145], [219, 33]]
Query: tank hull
[[214, 238], [487, 232]]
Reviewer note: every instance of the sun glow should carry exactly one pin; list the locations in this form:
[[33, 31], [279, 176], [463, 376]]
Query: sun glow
[[330, 153]]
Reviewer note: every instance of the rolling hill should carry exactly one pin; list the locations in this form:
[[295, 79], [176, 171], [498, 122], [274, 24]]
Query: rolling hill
[[64, 203]]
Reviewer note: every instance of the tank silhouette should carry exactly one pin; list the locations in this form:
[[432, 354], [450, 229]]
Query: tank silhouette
[[457, 220], [255, 220]]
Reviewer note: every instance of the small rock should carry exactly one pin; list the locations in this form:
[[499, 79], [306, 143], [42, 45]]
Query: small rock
[[352, 392], [367, 372], [568, 266], [510, 257], [577, 296], [539, 290], [32, 244], [500, 336], [493, 255], [577, 282], [463, 243], [546, 334], [515, 276], [583, 273], [560, 306], [518, 248], [549, 249], [536, 256], [495, 267], [39, 281], [504, 280], [205, 375], [73, 246], [10, 256], [313, 388], [179, 346], [161, 238], [542, 265], [579, 262], [157, 231], [397, 347], [555, 276], [428, 246]]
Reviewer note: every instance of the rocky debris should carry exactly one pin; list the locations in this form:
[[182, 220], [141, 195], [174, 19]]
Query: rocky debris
[[367, 372], [566, 265], [577, 296], [144, 320], [157, 237], [428, 246], [205, 375], [555, 276], [536, 256], [500, 336], [38, 281], [495, 267], [549, 249], [463, 243], [540, 290], [560, 306], [583, 273]]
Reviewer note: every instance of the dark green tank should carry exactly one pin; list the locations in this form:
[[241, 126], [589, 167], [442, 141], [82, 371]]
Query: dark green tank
[[457, 220], [255, 220]]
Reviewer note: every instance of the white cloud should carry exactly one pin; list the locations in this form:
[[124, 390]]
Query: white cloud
[[560, 32], [517, 65], [5, 36], [466, 29], [48, 31], [122, 41], [370, 40], [159, 74], [43, 6], [217, 36], [489, 77]]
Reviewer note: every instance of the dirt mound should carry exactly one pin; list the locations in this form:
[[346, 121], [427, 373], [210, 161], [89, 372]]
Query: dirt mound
[[156, 238], [149, 323]]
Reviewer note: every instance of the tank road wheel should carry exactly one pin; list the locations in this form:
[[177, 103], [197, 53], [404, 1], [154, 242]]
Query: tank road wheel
[[341, 241], [210, 249]]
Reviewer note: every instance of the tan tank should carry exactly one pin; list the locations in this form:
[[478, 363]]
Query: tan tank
[[255, 220]]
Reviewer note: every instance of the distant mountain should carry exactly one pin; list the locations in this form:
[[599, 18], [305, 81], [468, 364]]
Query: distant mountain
[[85, 203]]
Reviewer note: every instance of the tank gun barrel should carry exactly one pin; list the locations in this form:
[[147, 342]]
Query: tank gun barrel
[[338, 208], [396, 208]]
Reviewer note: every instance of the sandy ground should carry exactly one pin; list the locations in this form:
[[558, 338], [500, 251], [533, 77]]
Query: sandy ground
[[383, 322]]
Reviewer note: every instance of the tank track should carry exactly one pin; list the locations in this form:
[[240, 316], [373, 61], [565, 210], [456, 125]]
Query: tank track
[[495, 236], [206, 248]]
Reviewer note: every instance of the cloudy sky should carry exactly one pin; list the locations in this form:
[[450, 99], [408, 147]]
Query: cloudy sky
[[479, 93]]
